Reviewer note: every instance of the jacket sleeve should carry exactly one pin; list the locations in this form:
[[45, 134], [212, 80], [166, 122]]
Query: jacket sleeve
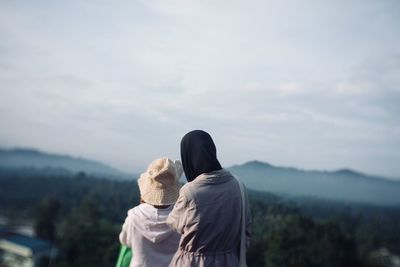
[[177, 218], [126, 232]]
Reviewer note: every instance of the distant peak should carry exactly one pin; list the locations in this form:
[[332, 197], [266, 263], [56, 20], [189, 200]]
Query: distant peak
[[347, 172], [27, 151], [257, 163]]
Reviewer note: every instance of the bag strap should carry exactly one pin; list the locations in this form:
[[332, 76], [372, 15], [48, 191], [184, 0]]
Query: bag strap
[[242, 262]]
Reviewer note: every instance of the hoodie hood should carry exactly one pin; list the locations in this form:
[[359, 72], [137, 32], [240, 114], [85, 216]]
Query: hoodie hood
[[150, 222]]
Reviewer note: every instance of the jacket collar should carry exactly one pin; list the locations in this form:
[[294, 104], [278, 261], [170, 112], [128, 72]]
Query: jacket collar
[[214, 177]]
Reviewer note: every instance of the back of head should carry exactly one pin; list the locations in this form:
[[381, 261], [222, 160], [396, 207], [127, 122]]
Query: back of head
[[159, 184], [198, 154]]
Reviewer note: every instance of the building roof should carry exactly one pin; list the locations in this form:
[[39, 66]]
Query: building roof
[[32, 243], [21, 244]]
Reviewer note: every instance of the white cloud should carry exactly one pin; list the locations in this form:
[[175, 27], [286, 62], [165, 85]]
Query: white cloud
[[290, 88], [355, 89], [270, 80]]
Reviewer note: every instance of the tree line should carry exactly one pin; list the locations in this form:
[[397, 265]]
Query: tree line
[[83, 215]]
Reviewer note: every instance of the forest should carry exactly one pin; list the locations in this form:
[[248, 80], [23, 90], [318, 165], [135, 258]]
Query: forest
[[83, 214]]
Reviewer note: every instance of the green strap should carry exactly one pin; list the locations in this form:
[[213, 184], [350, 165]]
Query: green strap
[[124, 257]]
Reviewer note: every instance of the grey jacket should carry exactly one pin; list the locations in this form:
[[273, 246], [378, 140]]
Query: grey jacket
[[208, 217]]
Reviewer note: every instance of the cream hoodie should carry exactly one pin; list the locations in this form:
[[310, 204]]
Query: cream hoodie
[[152, 241]]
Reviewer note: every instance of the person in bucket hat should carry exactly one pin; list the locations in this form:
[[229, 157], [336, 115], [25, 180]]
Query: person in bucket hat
[[152, 241]]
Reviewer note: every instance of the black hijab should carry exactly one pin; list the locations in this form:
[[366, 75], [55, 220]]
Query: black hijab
[[198, 154]]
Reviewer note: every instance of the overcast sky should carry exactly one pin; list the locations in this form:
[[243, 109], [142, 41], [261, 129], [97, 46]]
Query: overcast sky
[[307, 84]]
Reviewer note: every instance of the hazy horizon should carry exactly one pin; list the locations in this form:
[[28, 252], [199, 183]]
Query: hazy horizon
[[310, 84], [136, 172]]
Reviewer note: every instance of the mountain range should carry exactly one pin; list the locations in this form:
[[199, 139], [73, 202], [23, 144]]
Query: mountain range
[[55, 163], [342, 185]]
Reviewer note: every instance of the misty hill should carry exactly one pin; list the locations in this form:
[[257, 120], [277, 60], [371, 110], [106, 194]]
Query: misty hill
[[54, 163], [343, 185]]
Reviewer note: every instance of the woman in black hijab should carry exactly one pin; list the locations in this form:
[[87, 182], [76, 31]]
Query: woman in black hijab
[[208, 211]]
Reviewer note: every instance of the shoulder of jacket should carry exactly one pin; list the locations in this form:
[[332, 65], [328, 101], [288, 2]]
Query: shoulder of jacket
[[135, 211], [187, 190], [132, 212]]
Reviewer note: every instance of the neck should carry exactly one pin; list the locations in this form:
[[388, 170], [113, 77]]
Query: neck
[[156, 206], [161, 206]]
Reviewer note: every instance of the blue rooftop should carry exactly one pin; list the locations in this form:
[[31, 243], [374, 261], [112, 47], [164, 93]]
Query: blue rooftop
[[33, 243]]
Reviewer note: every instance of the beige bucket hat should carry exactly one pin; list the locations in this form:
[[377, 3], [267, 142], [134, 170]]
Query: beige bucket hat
[[159, 185]]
